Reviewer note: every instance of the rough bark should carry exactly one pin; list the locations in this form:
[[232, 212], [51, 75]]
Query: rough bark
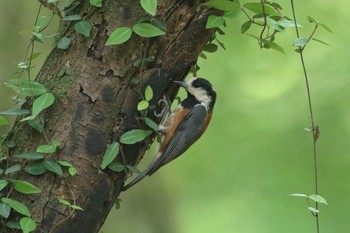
[[96, 103]]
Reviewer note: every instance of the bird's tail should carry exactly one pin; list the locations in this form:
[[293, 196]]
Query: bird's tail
[[133, 182]]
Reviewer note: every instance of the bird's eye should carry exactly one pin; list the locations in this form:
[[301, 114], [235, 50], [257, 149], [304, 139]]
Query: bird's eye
[[195, 84]]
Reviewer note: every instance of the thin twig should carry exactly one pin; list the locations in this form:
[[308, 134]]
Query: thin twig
[[265, 24], [314, 130]]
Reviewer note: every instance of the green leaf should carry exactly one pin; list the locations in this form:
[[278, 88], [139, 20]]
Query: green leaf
[[35, 168], [26, 87], [13, 225], [110, 154], [27, 224], [53, 166], [297, 195], [17, 206], [47, 149], [116, 166], [142, 105], [312, 19], [65, 163], [97, 3], [211, 48], [134, 169], [42, 102], [325, 27], [150, 6], [133, 136], [320, 41], [15, 112], [63, 43], [147, 30], [223, 5], [3, 121], [72, 17], [13, 169], [257, 8], [76, 207], [151, 123], [288, 23], [148, 93], [56, 143], [29, 156], [119, 36], [214, 21], [64, 202], [274, 46], [25, 187], [245, 27], [42, 22], [72, 171], [301, 41], [83, 27], [318, 198], [5, 210], [3, 184], [314, 210], [37, 123]]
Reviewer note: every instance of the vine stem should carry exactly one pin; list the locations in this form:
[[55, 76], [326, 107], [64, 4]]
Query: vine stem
[[315, 131]]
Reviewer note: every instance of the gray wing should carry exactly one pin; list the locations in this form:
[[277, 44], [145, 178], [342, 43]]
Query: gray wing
[[188, 132]]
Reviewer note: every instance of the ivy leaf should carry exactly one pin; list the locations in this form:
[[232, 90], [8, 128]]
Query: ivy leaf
[[134, 136], [325, 27], [211, 48], [301, 41], [53, 166], [65, 163], [35, 168], [13, 225], [63, 43], [147, 30], [119, 36], [134, 169], [72, 171], [29, 156], [25, 187], [47, 149], [314, 210], [318, 198], [76, 207], [110, 154], [5, 210], [42, 102], [17, 206], [150, 6], [3, 184], [142, 105], [26, 87], [27, 224], [274, 46], [83, 27], [148, 93], [116, 166], [245, 27], [37, 124], [72, 17], [320, 41], [223, 5], [64, 202], [151, 123], [15, 112], [214, 21], [97, 3], [13, 169], [257, 8], [297, 195]]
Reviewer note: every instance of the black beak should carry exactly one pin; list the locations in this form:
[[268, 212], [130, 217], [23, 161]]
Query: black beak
[[182, 84]]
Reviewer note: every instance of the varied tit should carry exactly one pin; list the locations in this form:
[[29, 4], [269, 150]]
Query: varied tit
[[184, 126]]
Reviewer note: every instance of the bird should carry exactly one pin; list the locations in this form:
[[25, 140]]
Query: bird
[[184, 126]]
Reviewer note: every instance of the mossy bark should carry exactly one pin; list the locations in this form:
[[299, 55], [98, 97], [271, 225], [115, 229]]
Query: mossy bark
[[96, 103]]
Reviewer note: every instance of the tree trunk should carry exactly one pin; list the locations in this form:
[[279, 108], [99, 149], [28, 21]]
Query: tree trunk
[[96, 103]]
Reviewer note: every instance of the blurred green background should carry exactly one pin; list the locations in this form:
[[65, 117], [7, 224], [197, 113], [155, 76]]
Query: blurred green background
[[237, 177]]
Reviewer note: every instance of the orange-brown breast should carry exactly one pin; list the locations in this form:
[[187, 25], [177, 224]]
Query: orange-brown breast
[[174, 120]]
